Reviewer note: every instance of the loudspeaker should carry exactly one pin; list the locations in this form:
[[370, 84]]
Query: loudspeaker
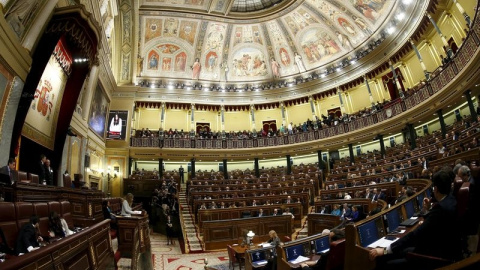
[[87, 161]]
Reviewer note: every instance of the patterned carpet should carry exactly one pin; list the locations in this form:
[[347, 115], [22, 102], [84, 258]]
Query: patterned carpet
[[171, 258]]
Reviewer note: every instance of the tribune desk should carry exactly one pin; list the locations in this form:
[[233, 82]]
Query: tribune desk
[[126, 231]]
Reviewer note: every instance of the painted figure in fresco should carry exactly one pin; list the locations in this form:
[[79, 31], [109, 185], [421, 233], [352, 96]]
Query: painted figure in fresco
[[299, 62], [344, 42], [153, 62], [275, 68], [139, 65], [19, 14], [212, 60], [284, 57], [362, 25], [196, 69], [347, 26], [180, 63]]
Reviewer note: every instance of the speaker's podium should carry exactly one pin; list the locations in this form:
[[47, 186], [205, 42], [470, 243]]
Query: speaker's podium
[[126, 231]]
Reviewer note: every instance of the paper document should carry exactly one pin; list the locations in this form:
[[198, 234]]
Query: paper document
[[265, 245], [382, 242], [260, 262], [300, 259]]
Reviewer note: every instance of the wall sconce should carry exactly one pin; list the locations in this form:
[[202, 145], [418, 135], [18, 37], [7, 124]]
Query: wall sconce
[[250, 236], [109, 177]]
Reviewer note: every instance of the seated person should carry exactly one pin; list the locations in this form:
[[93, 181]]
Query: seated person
[[437, 236], [55, 229], [336, 210], [57, 221], [127, 206], [107, 214], [28, 238]]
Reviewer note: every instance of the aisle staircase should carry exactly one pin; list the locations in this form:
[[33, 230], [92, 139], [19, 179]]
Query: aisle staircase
[[190, 231]]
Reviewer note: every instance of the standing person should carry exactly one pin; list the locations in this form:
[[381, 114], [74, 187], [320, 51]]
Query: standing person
[[41, 168], [170, 230], [48, 173], [181, 172], [27, 239], [127, 206], [9, 169], [274, 241]]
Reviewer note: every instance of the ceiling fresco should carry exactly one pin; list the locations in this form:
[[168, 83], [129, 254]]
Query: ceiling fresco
[[311, 35]]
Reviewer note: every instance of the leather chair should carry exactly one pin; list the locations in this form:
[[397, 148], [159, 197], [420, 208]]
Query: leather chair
[[24, 211], [8, 223], [66, 213], [22, 176], [54, 207], [41, 210], [33, 178], [457, 184], [463, 196], [336, 256], [67, 181]]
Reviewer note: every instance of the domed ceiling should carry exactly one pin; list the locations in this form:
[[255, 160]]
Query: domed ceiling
[[213, 42]]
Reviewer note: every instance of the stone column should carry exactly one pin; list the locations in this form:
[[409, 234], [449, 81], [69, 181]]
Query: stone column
[[225, 170], [257, 168], [382, 145], [443, 127], [473, 112], [350, 151], [289, 165], [444, 41], [422, 64]]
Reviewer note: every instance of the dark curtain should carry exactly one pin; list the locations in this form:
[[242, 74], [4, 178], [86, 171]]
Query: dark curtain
[[337, 112], [389, 83], [267, 125], [201, 126]]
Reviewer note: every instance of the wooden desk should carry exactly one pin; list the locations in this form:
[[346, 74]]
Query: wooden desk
[[219, 234], [90, 249], [126, 231], [355, 254]]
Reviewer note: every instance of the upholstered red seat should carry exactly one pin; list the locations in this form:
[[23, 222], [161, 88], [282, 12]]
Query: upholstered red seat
[[24, 211], [41, 210], [54, 207], [33, 178], [336, 256], [67, 181], [8, 223], [463, 196], [22, 176], [66, 213]]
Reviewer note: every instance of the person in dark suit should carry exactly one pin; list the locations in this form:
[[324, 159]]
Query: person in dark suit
[[181, 171], [169, 230], [28, 239], [9, 169], [260, 212], [48, 173], [438, 235], [368, 194], [107, 214], [375, 195], [41, 168]]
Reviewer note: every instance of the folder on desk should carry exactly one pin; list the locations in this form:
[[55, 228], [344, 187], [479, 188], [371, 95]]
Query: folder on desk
[[299, 259], [382, 242]]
